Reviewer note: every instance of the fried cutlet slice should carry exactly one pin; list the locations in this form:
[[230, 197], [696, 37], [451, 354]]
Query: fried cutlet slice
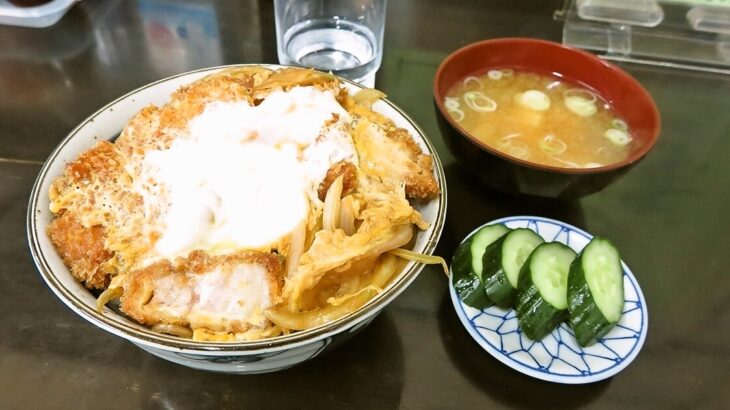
[[349, 178], [217, 293], [82, 249], [392, 154]]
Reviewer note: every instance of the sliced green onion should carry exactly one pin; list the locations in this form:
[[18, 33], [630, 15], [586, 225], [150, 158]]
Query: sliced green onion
[[477, 101], [580, 93], [506, 138], [535, 100], [620, 125], [451, 103], [553, 145], [457, 114], [494, 74], [618, 137], [581, 106], [515, 147], [472, 79], [564, 162]]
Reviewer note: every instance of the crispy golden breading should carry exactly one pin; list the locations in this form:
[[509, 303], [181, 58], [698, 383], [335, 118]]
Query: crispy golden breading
[[420, 182], [349, 178], [394, 156], [82, 249], [199, 290]]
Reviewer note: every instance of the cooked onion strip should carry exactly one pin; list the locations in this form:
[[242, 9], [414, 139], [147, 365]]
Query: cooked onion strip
[[331, 213], [553, 145], [506, 72], [477, 101], [384, 270], [334, 301], [296, 248], [368, 96], [305, 320], [106, 296], [347, 215], [175, 330], [421, 258]]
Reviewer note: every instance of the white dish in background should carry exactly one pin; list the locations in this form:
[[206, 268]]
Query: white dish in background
[[557, 357], [44, 15], [257, 356]]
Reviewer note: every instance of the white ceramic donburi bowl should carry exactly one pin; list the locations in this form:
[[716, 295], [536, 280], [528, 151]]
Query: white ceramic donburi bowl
[[244, 357]]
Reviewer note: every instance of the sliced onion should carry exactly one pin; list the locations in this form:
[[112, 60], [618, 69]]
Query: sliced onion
[[477, 101], [108, 295], [421, 258], [553, 145], [535, 100], [366, 97], [494, 74], [618, 137], [507, 72], [347, 215], [296, 248], [472, 79], [175, 330]]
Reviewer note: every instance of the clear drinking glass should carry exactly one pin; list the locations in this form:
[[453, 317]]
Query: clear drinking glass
[[341, 36]]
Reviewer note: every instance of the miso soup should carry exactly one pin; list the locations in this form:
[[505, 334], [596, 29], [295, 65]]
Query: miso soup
[[540, 118]]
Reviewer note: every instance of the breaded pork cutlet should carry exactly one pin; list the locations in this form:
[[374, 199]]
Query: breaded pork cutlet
[[215, 293]]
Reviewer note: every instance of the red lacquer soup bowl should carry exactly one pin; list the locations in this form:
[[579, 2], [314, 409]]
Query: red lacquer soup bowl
[[503, 172]]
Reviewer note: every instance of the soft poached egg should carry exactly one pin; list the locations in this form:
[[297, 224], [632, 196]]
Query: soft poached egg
[[243, 175]]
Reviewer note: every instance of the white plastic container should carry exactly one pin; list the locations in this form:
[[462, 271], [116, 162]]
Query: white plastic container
[[44, 15]]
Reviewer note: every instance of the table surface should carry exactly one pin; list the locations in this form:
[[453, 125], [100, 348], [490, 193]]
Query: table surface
[[668, 215]]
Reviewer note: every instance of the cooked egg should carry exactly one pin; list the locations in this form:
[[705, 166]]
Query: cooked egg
[[243, 175]]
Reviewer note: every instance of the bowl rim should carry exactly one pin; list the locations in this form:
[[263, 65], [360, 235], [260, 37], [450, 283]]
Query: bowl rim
[[177, 344], [635, 157]]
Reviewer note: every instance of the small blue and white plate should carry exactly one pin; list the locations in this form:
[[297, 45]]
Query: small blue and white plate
[[558, 358]]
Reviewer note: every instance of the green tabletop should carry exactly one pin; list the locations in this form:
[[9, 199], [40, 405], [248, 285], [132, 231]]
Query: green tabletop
[[668, 216]]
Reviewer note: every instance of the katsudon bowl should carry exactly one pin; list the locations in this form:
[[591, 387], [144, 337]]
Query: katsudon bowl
[[507, 173], [249, 357]]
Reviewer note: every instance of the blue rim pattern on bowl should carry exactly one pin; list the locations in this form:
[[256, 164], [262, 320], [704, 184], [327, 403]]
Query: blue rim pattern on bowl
[[558, 358]]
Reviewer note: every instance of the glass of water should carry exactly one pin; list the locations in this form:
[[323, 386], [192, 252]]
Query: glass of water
[[341, 36]]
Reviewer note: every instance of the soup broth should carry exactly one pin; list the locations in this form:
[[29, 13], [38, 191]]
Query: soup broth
[[540, 118]]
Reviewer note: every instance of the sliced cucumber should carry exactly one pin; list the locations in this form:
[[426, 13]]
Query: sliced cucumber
[[542, 297], [502, 262], [595, 291], [466, 266]]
